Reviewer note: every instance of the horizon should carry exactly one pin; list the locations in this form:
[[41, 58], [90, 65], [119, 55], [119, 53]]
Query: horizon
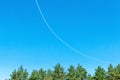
[[90, 27]]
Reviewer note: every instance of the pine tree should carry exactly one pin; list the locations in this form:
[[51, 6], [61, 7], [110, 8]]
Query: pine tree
[[49, 75], [14, 75], [41, 74], [58, 73], [21, 74], [80, 73], [111, 73], [100, 74], [71, 73], [117, 70], [34, 75]]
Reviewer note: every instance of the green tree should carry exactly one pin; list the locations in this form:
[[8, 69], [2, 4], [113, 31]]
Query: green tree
[[71, 73], [49, 75], [14, 75], [100, 74], [58, 73], [20, 74], [111, 73], [34, 75], [80, 73], [41, 74], [117, 71]]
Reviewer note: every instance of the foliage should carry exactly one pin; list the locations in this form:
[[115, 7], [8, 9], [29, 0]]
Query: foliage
[[20, 74], [100, 73], [80, 73], [72, 73], [58, 73]]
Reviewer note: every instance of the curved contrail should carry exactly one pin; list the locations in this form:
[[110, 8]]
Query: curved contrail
[[62, 41]]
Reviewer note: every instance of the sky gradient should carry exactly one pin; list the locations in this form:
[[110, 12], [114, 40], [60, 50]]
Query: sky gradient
[[90, 26]]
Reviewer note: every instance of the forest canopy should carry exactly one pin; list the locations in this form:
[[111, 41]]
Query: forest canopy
[[72, 73]]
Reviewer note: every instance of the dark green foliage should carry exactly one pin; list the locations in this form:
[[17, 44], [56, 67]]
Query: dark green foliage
[[49, 75], [72, 73], [81, 73], [117, 72], [114, 72], [58, 73], [34, 75], [111, 72], [100, 73], [20, 74], [41, 74]]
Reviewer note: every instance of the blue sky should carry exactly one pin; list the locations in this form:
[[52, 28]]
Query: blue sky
[[90, 26]]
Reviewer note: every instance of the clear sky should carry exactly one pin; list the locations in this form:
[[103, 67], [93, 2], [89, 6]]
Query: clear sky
[[91, 26]]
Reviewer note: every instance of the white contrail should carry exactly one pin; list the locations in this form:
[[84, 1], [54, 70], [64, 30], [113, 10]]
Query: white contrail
[[61, 40]]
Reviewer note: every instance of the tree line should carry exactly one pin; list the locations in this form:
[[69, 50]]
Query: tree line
[[72, 73]]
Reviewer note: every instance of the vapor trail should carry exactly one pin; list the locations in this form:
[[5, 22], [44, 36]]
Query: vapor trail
[[61, 40]]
